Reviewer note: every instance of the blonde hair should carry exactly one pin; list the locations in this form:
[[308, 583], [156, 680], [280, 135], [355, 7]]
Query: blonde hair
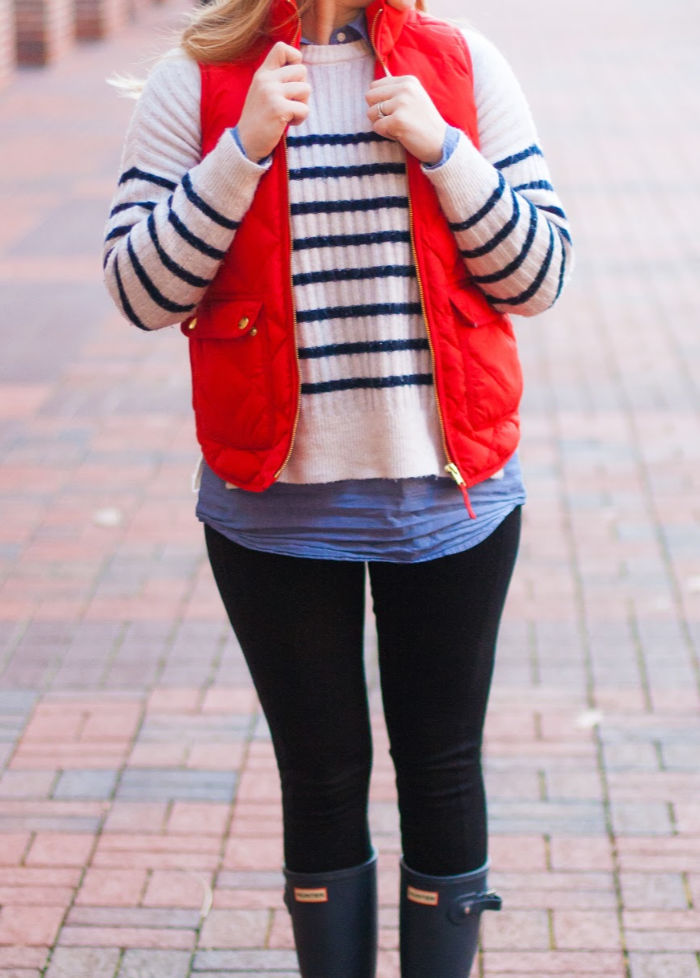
[[227, 30]]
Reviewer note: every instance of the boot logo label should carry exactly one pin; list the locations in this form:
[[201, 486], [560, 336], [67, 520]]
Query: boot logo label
[[429, 898], [318, 894]]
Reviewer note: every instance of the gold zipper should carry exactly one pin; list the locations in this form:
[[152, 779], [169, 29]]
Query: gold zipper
[[279, 471], [451, 467], [372, 38]]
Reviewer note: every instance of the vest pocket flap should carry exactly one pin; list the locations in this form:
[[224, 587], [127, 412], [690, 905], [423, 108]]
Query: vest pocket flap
[[223, 319], [473, 306]]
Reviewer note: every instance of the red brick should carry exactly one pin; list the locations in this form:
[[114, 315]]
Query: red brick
[[582, 852], [23, 957], [240, 700], [281, 931], [128, 816], [35, 896], [248, 899], [518, 852], [177, 888], [235, 929], [30, 926], [147, 937], [60, 849], [13, 845], [257, 854], [158, 755], [206, 819], [111, 887], [578, 930], [516, 929], [599, 963], [215, 757], [166, 700]]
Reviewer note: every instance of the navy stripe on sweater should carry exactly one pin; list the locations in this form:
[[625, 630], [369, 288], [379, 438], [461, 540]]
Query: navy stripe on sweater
[[126, 305], [517, 300], [171, 265], [155, 294], [345, 240], [534, 185], [518, 157], [335, 172], [353, 274], [192, 239], [119, 232], [515, 264], [483, 211], [202, 205], [498, 237], [371, 346], [368, 383], [335, 139], [135, 174], [352, 312], [146, 204], [344, 206]]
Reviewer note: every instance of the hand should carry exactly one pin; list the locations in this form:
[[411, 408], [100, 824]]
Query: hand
[[401, 4], [408, 115], [278, 96]]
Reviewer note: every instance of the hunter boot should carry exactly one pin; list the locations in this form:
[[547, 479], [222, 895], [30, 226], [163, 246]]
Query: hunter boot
[[439, 922], [334, 918]]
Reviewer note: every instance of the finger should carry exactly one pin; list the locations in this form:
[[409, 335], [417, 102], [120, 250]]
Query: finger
[[287, 73], [295, 113], [381, 110], [281, 54], [296, 91], [401, 4]]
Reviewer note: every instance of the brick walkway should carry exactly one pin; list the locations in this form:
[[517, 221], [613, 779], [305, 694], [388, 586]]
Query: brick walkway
[[139, 826]]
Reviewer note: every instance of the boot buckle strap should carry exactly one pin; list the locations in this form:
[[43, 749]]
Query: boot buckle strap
[[472, 904]]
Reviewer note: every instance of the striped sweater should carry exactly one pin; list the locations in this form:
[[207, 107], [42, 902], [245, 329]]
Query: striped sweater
[[368, 406]]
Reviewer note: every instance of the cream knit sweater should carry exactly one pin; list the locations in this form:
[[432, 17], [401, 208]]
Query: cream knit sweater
[[368, 405]]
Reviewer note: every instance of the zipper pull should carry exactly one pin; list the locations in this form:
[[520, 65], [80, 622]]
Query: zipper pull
[[454, 473]]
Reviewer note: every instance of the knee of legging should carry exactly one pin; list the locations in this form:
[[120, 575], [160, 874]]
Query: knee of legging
[[324, 791], [445, 776]]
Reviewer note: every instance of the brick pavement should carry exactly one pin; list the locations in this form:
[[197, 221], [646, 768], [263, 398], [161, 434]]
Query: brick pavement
[[139, 821]]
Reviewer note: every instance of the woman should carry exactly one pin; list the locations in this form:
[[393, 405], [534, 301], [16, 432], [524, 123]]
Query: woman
[[341, 204]]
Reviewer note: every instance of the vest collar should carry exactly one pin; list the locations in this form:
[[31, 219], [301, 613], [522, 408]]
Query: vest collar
[[385, 23]]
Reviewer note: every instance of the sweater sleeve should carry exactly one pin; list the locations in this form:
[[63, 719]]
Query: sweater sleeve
[[173, 215], [506, 216]]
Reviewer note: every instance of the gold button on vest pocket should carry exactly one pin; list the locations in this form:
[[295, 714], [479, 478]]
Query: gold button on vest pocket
[[243, 322], [192, 323], [254, 331]]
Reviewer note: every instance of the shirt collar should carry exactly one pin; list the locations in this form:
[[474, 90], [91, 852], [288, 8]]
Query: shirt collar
[[356, 30]]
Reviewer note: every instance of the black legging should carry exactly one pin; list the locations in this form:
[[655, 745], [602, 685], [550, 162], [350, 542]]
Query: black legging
[[300, 624]]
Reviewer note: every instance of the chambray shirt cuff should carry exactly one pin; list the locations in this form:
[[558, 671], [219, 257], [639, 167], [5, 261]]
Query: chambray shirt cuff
[[448, 148], [265, 161]]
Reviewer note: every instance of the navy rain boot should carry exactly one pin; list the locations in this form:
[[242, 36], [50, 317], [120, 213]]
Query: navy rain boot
[[334, 918], [439, 922]]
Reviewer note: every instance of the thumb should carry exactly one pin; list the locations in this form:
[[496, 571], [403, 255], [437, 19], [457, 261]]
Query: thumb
[[281, 54]]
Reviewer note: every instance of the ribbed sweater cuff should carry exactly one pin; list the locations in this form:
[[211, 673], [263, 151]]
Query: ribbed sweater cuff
[[226, 179], [465, 181]]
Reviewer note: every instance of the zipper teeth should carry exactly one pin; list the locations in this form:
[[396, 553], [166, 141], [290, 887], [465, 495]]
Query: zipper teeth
[[429, 335], [372, 37], [279, 471]]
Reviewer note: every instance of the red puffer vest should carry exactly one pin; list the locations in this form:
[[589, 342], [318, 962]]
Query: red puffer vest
[[245, 375]]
